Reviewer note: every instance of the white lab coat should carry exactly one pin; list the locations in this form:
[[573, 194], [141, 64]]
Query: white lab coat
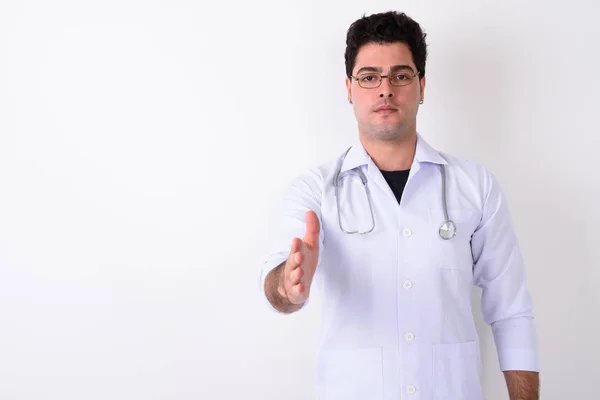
[[396, 310]]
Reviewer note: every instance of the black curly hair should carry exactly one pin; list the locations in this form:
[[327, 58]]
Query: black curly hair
[[388, 27]]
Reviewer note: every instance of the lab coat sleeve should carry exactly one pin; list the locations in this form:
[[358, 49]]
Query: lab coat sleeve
[[500, 272], [301, 195]]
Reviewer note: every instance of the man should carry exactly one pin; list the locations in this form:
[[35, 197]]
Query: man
[[371, 230]]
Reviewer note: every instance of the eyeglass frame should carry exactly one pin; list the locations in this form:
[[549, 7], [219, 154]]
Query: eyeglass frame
[[412, 78]]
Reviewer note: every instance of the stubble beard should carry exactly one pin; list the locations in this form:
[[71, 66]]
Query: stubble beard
[[385, 132]]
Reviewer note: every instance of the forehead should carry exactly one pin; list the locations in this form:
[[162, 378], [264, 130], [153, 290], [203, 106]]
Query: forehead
[[384, 55]]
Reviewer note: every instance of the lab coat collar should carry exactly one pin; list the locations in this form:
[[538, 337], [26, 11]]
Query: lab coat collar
[[425, 153], [357, 155]]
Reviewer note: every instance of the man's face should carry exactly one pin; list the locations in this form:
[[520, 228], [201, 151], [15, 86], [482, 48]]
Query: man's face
[[396, 60]]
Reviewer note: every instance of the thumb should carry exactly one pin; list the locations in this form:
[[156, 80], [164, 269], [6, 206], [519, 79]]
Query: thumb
[[313, 227]]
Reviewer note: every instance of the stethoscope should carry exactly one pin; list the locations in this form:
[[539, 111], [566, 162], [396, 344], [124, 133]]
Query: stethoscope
[[447, 229]]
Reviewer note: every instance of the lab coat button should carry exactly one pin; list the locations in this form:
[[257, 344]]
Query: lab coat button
[[407, 232], [409, 336], [411, 389], [407, 284]]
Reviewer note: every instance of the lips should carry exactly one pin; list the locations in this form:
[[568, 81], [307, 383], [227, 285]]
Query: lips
[[385, 108]]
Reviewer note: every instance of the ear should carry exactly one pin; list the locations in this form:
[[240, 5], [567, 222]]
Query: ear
[[423, 81], [349, 89]]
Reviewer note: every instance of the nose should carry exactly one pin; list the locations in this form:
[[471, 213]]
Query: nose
[[385, 89]]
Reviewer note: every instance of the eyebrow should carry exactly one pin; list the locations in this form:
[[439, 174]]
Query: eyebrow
[[379, 69]]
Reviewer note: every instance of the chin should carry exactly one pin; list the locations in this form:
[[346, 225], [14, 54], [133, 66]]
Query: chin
[[386, 132]]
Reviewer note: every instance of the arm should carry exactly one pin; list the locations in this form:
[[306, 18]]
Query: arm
[[499, 270], [296, 239], [523, 385], [287, 286]]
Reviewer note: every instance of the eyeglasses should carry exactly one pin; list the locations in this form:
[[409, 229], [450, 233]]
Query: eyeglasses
[[372, 80]]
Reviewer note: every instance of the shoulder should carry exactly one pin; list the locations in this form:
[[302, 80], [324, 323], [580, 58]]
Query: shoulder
[[314, 178], [473, 175], [469, 167]]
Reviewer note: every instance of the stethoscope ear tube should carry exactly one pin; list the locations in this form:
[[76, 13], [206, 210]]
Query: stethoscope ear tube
[[336, 184]]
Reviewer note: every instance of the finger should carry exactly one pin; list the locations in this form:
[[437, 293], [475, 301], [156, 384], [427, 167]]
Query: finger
[[297, 292], [296, 256], [296, 245], [295, 248], [313, 227], [296, 275]]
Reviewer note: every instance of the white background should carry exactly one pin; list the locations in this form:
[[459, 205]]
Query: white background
[[143, 145]]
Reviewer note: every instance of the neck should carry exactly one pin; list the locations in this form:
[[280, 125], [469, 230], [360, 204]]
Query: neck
[[391, 155]]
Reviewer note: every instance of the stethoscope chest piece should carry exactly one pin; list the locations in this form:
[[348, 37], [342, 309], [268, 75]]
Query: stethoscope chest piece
[[447, 230]]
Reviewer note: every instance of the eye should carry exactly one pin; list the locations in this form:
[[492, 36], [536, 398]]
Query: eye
[[401, 77], [368, 78]]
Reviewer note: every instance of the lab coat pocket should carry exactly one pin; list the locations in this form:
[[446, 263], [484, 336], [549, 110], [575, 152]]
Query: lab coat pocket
[[457, 371], [350, 374], [454, 253]]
